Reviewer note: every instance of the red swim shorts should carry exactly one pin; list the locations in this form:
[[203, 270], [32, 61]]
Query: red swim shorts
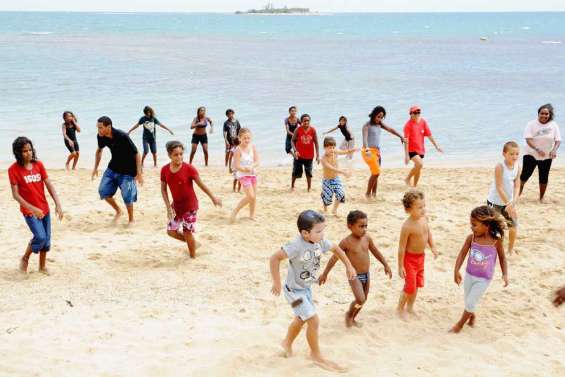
[[414, 267]]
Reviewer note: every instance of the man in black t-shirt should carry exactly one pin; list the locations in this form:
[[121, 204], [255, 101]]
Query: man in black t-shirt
[[123, 170]]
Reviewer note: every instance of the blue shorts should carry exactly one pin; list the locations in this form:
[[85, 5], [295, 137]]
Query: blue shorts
[[41, 229], [149, 144], [110, 183], [301, 302]]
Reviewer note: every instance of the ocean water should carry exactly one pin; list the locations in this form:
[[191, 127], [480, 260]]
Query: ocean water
[[476, 94]]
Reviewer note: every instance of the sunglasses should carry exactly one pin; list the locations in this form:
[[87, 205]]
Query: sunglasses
[[416, 113]]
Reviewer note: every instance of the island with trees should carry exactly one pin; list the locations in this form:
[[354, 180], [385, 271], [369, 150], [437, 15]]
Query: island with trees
[[271, 9]]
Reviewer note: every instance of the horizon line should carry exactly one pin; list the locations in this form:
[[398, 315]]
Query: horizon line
[[314, 12]]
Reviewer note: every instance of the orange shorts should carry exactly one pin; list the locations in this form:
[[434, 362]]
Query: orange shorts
[[372, 157], [414, 267]]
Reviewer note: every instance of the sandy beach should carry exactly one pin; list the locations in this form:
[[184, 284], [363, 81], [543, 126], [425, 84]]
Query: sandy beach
[[129, 302]]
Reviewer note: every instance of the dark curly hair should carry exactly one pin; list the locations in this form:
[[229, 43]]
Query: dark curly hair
[[376, 111], [489, 217], [17, 147]]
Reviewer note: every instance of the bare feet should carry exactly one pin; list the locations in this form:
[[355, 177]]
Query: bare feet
[[232, 219], [412, 313], [455, 329], [357, 324], [401, 314], [326, 364], [131, 224], [471, 321], [287, 348], [348, 320], [44, 271], [23, 265], [67, 168], [117, 217]]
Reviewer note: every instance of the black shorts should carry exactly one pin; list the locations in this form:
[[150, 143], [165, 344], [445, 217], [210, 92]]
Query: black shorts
[[203, 139], [502, 210], [288, 144], [413, 154], [74, 148], [529, 165], [301, 165]]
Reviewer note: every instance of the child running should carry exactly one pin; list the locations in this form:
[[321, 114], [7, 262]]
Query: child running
[[179, 176], [356, 247], [70, 128], [415, 130], [304, 254], [483, 245], [331, 184], [348, 141], [28, 179], [415, 235], [504, 191], [246, 162]]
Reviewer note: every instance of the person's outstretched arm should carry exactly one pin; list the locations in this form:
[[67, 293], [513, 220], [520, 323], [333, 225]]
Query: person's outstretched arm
[[330, 131], [165, 128], [342, 152], [330, 167], [217, 202], [324, 275], [460, 258], [349, 270], [133, 128], [502, 261], [274, 266], [392, 131], [377, 254]]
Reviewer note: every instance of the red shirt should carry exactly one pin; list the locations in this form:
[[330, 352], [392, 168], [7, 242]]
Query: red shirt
[[31, 185], [182, 189], [415, 133], [305, 142]]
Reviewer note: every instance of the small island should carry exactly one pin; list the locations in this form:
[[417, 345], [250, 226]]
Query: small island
[[270, 9]]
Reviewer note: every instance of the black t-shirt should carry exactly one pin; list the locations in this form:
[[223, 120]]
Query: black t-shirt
[[123, 152], [149, 127], [232, 129]]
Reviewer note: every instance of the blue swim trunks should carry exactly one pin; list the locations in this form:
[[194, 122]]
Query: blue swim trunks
[[301, 302], [111, 181]]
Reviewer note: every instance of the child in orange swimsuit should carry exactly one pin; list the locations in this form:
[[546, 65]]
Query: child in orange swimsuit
[[415, 235]]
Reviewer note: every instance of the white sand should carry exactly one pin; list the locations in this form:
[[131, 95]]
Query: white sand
[[141, 307]]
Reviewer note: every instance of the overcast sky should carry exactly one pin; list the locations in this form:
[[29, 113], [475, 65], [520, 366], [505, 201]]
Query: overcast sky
[[318, 5]]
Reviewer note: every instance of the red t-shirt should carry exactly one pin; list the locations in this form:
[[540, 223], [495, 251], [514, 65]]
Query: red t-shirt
[[31, 185], [181, 186], [415, 133], [305, 142]]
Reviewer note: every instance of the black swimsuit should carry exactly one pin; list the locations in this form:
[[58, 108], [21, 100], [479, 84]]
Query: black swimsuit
[[345, 132], [71, 134]]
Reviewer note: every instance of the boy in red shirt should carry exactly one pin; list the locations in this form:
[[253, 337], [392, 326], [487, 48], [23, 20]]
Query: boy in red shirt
[[179, 176], [415, 130], [304, 144], [28, 179]]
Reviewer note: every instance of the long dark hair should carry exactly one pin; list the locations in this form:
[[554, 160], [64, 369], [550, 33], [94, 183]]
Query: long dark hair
[[198, 112], [376, 111], [149, 109], [489, 217], [71, 114], [18, 146]]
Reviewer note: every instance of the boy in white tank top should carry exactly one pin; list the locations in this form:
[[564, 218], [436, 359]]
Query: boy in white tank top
[[504, 191]]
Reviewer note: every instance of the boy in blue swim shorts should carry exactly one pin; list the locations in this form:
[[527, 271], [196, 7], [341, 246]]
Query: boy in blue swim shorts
[[304, 254]]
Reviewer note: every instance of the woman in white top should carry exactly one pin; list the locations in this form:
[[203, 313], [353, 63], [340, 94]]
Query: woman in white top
[[503, 194], [543, 139], [246, 162]]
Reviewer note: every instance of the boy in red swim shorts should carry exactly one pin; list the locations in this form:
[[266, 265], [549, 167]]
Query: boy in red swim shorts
[[415, 235]]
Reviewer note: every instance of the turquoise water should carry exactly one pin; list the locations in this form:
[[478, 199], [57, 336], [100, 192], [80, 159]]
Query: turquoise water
[[475, 94]]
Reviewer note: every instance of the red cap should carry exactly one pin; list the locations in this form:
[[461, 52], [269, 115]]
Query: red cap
[[415, 108]]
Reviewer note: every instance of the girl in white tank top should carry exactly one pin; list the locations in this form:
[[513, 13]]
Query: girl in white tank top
[[246, 162]]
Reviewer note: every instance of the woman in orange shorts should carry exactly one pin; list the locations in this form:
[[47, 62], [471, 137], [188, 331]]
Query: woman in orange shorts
[[371, 150]]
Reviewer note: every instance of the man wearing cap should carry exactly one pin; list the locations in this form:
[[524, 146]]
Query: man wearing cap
[[415, 130]]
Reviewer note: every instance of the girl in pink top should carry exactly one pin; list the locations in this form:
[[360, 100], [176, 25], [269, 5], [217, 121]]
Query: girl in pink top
[[483, 247], [415, 130], [246, 162]]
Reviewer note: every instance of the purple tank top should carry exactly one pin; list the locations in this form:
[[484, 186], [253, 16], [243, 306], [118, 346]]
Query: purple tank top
[[481, 261]]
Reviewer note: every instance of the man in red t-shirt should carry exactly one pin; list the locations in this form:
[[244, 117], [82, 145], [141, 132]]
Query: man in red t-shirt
[[415, 130], [305, 146], [179, 177]]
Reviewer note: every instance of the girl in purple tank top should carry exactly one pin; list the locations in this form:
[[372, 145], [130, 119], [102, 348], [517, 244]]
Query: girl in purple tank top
[[484, 245]]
